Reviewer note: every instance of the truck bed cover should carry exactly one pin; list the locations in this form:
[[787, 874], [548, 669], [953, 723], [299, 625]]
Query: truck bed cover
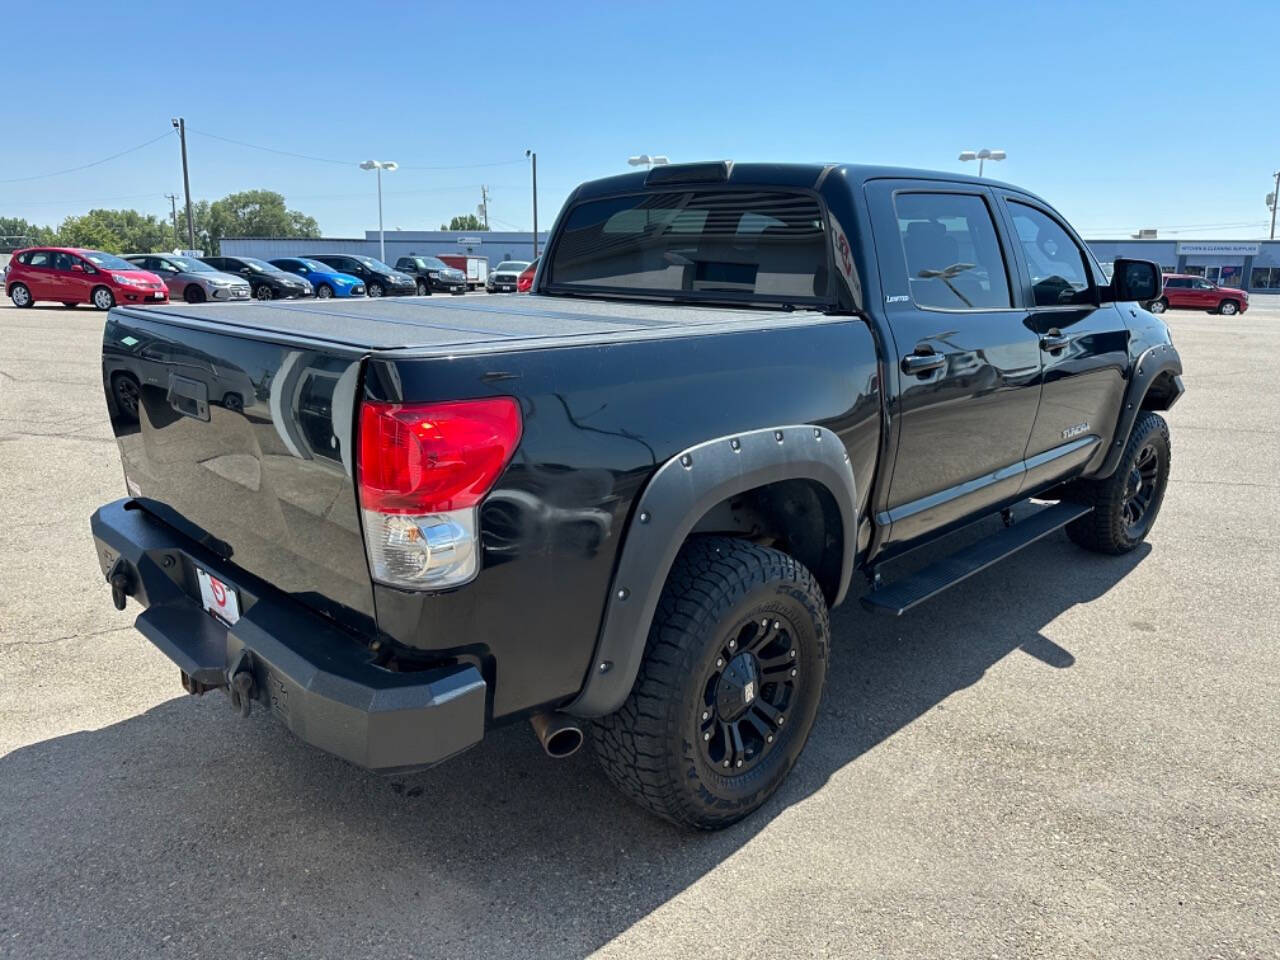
[[455, 325]]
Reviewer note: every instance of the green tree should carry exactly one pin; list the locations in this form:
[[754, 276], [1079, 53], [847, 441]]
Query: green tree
[[136, 232], [467, 221], [254, 213], [16, 233], [90, 232]]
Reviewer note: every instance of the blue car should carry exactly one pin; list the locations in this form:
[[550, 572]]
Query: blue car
[[327, 281]]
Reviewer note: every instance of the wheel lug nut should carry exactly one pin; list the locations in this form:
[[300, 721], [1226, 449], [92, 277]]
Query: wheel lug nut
[[706, 736], [719, 661], [732, 644], [769, 738], [726, 763], [793, 673], [781, 721], [706, 714], [776, 625], [739, 763], [793, 653]]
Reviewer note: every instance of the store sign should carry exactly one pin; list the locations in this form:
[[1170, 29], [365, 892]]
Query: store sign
[[1225, 249], [468, 241]]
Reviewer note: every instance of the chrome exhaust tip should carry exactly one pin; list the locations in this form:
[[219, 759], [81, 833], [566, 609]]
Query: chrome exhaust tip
[[559, 735]]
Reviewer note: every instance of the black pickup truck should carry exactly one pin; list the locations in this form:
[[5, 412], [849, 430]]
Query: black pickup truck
[[622, 507]]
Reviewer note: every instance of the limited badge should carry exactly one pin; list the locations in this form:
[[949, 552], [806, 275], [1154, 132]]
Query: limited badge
[[749, 691]]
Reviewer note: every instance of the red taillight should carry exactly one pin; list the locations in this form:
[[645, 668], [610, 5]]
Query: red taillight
[[434, 457]]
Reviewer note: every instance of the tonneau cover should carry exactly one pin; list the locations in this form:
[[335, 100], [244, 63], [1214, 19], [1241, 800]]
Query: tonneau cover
[[464, 324]]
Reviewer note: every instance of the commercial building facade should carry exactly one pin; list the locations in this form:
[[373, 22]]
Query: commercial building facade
[[1251, 265]]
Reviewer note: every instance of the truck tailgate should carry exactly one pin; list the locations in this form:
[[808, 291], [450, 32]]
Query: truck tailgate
[[246, 445]]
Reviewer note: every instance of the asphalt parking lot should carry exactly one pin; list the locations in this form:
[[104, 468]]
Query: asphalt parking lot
[[1070, 755]]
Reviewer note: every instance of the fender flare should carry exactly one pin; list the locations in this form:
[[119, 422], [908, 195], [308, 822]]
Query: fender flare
[[677, 496], [1151, 363]]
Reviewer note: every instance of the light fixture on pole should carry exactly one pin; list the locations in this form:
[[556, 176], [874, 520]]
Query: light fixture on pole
[[380, 165], [646, 161], [982, 156]]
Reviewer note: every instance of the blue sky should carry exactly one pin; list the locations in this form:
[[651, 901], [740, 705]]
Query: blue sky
[[1123, 116]]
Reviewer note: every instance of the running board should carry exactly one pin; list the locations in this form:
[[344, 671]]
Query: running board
[[895, 599]]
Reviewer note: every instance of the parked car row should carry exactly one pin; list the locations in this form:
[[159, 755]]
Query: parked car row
[[73, 276]]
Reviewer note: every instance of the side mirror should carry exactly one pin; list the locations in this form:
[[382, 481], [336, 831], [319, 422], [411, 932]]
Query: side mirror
[[1136, 280], [77, 268]]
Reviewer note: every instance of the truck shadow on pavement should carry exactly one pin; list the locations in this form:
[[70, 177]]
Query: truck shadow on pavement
[[186, 827]]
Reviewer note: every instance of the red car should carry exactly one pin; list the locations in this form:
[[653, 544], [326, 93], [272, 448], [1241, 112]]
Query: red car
[[524, 282], [1196, 293], [69, 276]]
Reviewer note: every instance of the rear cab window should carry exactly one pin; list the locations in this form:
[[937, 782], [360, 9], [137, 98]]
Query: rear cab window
[[722, 245]]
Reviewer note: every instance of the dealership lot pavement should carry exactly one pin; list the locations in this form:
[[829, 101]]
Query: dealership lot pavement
[[1069, 755]]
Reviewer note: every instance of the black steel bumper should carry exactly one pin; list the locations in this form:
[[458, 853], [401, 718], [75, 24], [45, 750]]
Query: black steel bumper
[[311, 674]]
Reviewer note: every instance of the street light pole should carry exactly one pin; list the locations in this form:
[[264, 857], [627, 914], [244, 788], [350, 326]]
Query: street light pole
[[534, 157], [1275, 202], [982, 156], [379, 166], [181, 125]]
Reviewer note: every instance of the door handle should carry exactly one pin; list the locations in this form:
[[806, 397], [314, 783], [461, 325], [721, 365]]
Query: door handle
[[921, 363], [1054, 340]]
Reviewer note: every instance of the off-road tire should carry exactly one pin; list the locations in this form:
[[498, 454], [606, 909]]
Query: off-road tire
[[651, 748], [1105, 530]]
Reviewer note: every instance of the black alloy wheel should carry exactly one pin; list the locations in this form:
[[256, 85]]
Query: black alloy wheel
[[748, 692]]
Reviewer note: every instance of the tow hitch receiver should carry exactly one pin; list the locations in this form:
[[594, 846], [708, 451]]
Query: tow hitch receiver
[[240, 685]]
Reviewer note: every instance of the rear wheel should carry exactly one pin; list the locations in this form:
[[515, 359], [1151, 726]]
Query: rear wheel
[[103, 298], [1228, 308], [20, 295], [194, 293], [1126, 503], [733, 672], [1160, 306]]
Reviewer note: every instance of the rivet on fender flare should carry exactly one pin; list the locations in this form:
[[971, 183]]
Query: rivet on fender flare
[[777, 435], [686, 461], [624, 593]]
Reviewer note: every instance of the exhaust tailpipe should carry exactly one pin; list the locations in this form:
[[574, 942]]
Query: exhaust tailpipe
[[559, 734]]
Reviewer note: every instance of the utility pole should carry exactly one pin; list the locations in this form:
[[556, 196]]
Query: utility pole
[[533, 156], [484, 205], [180, 125], [1275, 202], [173, 209]]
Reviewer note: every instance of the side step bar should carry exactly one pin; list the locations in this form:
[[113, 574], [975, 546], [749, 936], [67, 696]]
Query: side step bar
[[897, 598]]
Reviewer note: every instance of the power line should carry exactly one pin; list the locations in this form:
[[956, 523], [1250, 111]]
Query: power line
[[86, 166], [283, 153]]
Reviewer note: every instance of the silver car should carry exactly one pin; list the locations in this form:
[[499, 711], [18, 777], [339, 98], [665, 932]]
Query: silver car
[[190, 279], [503, 277]]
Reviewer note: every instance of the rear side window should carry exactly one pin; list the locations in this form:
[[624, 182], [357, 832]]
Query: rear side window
[[952, 252], [40, 258], [1059, 276], [732, 244]]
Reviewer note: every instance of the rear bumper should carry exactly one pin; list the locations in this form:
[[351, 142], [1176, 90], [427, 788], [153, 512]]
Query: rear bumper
[[313, 676]]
